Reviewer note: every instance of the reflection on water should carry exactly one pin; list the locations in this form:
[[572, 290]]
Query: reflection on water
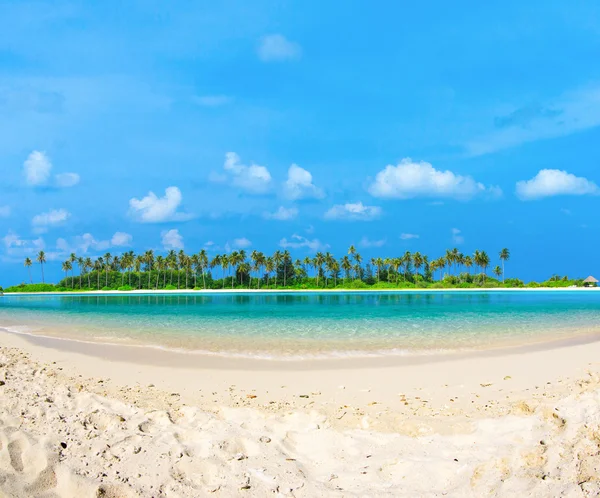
[[291, 323]]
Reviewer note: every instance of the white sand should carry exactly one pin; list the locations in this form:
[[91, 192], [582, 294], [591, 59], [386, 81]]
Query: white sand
[[524, 422]]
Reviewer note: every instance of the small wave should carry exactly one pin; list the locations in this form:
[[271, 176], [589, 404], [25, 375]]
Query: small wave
[[252, 355]]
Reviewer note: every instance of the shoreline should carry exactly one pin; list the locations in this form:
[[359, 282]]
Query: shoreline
[[285, 291], [107, 421]]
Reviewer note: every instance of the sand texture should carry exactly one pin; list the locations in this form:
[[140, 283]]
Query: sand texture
[[71, 436]]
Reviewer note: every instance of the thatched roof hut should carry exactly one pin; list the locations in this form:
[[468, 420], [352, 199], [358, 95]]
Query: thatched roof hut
[[590, 282]]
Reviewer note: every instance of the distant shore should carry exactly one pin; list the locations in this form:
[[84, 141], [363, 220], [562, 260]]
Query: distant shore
[[292, 291]]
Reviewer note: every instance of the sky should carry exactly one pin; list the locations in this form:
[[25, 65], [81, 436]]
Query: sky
[[306, 126]]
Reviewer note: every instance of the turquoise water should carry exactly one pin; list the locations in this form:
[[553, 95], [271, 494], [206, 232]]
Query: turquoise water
[[310, 324]]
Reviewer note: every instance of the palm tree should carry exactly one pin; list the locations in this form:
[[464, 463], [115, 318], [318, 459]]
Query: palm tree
[[149, 260], [107, 263], [80, 263], [160, 261], [269, 267], [504, 256], [497, 271], [224, 264], [417, 261], [88, 265], [407, 260], [318, 261], [41, 259], [98, 265], [27, 264], [286, 256], [346, 266], [278, 259], [203, 260], [66, 267]]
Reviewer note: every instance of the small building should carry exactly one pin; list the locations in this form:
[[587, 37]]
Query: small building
[[590, 282]]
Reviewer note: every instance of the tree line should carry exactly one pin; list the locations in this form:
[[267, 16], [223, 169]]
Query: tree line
[[238, 269]]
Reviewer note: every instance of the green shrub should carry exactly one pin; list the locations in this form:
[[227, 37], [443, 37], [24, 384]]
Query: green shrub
[[31, 288], [106, 288], [125, 288], [358, 284], [170, 287], [436, 285]]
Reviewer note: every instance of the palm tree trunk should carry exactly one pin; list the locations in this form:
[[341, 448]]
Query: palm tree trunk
[[42, 265], [203, 278], [29, 270]]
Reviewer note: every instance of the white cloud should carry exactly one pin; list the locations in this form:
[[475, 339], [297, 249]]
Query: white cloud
[[282, 214], [172, 239], [457, 238], [353, 212], [408, 236], [255, 179], [37, 168], [366, 242], [4, 211], [551, 182], [299, 184], [11, 239], [154, 209], [411, 179], [299, 242], [41, 222], [17, 248], [241, 243], [212, 100], [273, 48], [121, 239], [569, 113], [65, 180]]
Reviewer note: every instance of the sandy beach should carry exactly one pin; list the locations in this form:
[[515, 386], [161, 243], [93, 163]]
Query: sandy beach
[[96, 420]]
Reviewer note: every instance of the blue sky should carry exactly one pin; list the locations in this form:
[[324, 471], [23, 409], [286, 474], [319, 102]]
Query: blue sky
[[302, 125]]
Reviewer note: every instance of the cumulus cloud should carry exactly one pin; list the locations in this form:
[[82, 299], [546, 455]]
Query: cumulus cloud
[[43, 221], [276, 48], [37, 169], [353, 212], [282, 214], [4, 211], [408, 236], [299, 184], [82, 244], [457, 237], [154, 209], [551, 182], [172, 239], [65, 180], [121, 239], [212, 100], [366, 242], [255, 179], [410, 179], [17, 248], [298, 242]]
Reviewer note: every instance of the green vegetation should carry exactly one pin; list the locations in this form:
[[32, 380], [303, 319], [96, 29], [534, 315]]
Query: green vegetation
[[237, 270]]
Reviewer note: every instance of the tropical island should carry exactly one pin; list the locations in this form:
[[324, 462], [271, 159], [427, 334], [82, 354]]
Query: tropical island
[[240, 270]]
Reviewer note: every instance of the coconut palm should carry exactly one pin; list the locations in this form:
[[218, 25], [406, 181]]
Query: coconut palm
[[98, 265], [497, 271], [417, 261], [67, 267], [27, 264], [203, 261], [87, 266], [41, 259], [504, 256], [346, 267]]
